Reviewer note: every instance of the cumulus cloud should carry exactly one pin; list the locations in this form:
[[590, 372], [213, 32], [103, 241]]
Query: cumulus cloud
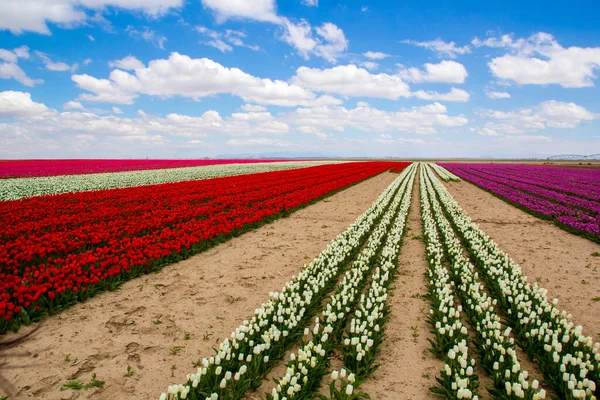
[[370, 65], [128, 63], [12, 56], [180, 75], [9, 69], [417, 120], [443, 49], [497, 95], [444, 72], [253, 107], [454, 94], [375, 55], [13, 71], [326, 41], [19, 104], [310, 3], [73, 105], [350, 80], [541, 60], [258, 10], [19, 16], [548, 114]]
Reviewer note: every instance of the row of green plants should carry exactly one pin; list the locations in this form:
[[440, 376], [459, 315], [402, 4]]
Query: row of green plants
[[493, 342], [568, 359], [241, 361], [308, 366], [450, 342]]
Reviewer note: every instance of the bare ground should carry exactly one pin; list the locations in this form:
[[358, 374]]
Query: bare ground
[[144, 324], [407, 367], [562, 262]]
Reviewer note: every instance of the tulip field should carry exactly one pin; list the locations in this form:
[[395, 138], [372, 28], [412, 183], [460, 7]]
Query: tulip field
[[72, 232], [570, 197]]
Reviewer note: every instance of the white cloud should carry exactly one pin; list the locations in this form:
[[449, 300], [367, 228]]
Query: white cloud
[[105, 91], [310, 3], [352, 81], [375, 55], [334, 42], [444, 72], [180, 75], [497, 95], [455, 94], [253, 107], [127, 63], [117, 110], [19, 16], [418, 120], [541, 60], [12, 56], [148, 35], [91, 38], [443, 49], [225, 40], [549, 114], [370, 65], [13, 71], [258, 142], [19, 104], [73, 105], [258, 10], [329, 43], [349, 80], [87, 62], [51, 65], [364, 9]]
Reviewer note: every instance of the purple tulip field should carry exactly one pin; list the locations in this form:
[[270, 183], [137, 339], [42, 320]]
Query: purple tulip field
[[568, 196]]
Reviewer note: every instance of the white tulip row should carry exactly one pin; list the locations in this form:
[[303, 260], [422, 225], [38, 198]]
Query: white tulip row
[[494, 343], [569, 360], [365, 333], [16, 188], [443, 173], [458, 380], [307, 367], [242, 360]]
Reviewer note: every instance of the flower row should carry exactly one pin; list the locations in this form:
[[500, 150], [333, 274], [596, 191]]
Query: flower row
[[443, 173], [36, 168], [539, 196], [451, 337], [569, 360], [17, 188], [306, 368], [365, 334], [258, 343], [84, 243], [494, 344]]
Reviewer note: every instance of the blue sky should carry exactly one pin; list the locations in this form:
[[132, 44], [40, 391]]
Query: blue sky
[[197, 78]]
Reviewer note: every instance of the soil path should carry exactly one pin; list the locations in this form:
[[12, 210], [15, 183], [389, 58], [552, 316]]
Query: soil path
[[562, 262], [407, 367], [145, 324]]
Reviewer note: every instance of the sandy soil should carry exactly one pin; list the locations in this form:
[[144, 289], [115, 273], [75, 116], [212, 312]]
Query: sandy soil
[[144, 324], [562, 262], [407, 367]]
